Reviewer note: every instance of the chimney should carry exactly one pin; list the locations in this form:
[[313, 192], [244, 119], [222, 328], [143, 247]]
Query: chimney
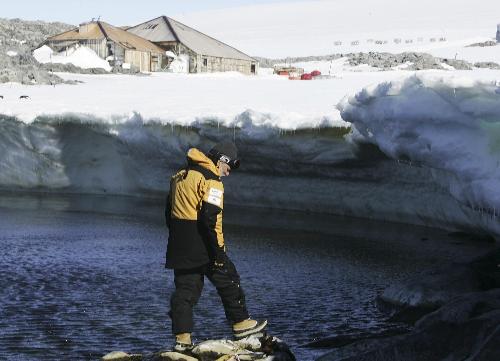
[[83, 28], [498, 33]]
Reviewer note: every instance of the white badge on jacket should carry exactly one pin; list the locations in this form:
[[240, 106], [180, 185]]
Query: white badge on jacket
[[215, 196]]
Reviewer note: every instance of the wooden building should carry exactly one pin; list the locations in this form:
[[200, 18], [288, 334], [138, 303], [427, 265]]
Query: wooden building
[[113, 44], [205, 53]]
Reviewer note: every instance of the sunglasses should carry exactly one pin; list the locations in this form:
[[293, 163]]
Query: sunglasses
[[233, 163]]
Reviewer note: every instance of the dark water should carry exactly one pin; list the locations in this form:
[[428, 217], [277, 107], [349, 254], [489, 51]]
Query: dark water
[[81, 276]]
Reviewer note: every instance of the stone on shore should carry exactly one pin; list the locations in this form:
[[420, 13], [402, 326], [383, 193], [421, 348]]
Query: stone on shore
[[121, 356], [465, 325], [175, 356], [430, 290], [257, 347], [222, 348]]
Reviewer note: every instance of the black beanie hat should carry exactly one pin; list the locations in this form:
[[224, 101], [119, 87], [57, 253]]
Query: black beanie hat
[[227, 149]]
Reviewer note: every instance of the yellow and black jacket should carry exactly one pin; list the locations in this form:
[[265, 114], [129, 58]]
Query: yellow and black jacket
[[194, 214]]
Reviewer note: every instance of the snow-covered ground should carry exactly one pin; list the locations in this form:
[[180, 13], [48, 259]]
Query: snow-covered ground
[[186, 99]]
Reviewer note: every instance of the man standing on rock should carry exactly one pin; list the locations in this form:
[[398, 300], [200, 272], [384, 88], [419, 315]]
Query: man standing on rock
[[196, 243]]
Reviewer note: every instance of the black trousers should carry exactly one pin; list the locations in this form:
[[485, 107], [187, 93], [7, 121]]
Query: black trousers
[[188, 287]]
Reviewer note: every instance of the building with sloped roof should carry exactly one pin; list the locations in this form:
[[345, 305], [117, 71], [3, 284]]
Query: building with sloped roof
[[206, 54], [112, 43]]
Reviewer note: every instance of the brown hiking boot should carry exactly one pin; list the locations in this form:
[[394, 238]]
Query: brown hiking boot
[[183, 342], [248, 327]]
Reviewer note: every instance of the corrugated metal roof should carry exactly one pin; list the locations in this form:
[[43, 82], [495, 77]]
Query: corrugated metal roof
[[163, 29], [156, 30], [128, 39], [99, 30]]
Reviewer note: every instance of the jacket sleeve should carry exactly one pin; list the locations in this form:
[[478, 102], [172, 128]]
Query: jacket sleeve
[[211, 219]]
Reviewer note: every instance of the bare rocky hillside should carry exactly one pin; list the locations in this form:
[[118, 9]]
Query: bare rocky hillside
[[17, 40]]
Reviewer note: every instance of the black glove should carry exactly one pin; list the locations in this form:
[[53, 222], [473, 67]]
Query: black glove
[[220, 258]]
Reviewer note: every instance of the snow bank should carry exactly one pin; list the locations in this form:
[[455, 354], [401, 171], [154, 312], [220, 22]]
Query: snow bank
[[81, 56], [180, 64], [449, 124], [43, 54]]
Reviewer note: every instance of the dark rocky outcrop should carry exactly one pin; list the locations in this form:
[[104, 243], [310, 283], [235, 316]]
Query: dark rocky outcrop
[[484, 44], [432, 289], [259, 347], [387, 61], [416, 61], [21, 37], [465, 323], [380, 60], [463, 329], [487, 65], [458, 64], [70, 68]]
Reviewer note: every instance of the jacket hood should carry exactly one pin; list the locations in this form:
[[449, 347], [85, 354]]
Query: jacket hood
[[198, 157]]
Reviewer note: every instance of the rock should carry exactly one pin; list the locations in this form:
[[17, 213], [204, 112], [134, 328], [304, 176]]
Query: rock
[[121, 356], [430, 290], [487, 65], [214, 349], [70, 68], [175, 356], [383, 61], [464, 308], [487, 270], [21, 37], [277, 348], [427, 292], [464, 325], [458, 64], [257, 347], [226, 358], [467, 328], [489, 350], [251, 342], [483, 44], [116, 356]]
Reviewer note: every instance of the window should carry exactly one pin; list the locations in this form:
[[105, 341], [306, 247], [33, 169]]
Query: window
[[205, 62]]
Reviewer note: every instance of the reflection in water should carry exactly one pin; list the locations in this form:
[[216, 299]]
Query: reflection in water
[[81, 275]]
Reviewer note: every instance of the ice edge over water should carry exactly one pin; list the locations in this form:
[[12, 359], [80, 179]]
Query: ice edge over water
[[441, 137], [450, 125]]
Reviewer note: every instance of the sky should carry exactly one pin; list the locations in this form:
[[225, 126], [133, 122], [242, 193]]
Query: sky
[[123, 12]]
